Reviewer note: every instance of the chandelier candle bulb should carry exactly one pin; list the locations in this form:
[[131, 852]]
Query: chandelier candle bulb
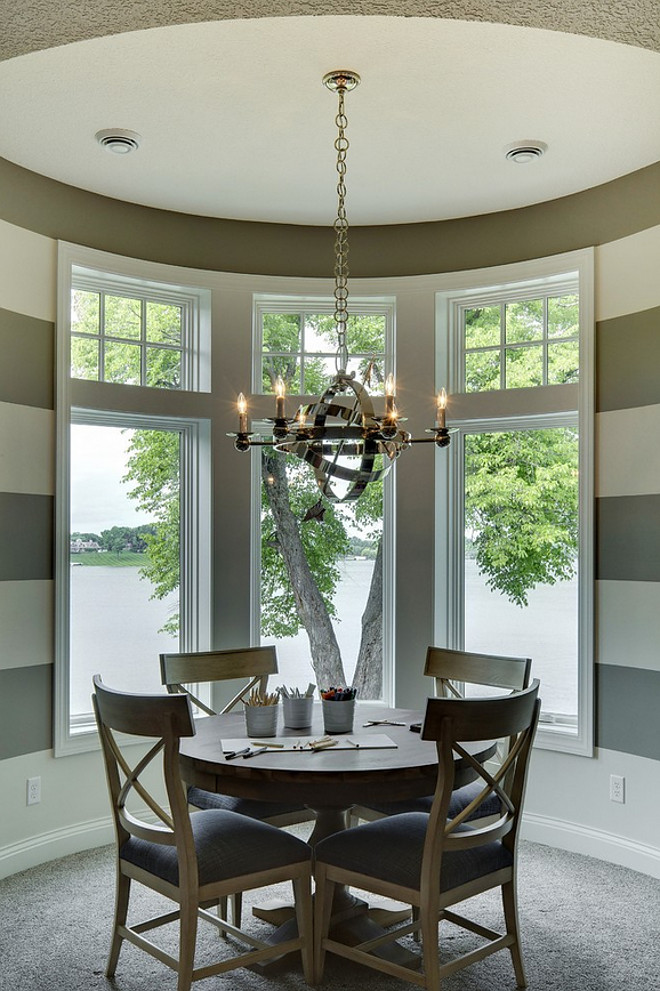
[[279, 398], [242, 413], [441, 406], [390, 408]]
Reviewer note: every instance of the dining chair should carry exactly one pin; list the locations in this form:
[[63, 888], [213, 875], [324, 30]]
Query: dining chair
[[195, 859], [433, 860], [181, 671], [456, 674]]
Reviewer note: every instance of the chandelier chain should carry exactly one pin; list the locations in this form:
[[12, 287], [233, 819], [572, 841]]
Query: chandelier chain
[[341, 235]]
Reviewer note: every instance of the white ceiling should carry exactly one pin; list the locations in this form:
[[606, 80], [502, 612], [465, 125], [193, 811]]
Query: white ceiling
[[236, 123]]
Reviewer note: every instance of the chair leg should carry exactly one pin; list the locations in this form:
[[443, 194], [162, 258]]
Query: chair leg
[[414, 917], [187, 941], [237, 908], [302, 890], [323, 896], [430, 953], [121, 911], [510, 905]]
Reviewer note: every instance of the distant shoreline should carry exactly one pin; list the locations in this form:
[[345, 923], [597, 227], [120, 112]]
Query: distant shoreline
[[109, 559]]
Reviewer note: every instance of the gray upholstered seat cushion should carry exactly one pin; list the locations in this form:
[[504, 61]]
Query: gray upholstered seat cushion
[[227, 845], [459, 800], [245, 806], [392, 849]]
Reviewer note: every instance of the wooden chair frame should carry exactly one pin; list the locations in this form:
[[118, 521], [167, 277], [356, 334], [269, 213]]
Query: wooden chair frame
[[169, 718], [178, 671], [449, 721], [451, 667]]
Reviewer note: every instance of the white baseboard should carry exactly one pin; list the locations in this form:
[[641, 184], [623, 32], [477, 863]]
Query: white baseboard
[[55, 843], [591, 842], [537, 828]]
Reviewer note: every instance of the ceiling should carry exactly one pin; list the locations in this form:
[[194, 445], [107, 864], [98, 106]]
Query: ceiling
[[235, 122]]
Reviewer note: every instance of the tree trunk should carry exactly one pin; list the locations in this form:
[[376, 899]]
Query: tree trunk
[[326, 656], [368, 680]]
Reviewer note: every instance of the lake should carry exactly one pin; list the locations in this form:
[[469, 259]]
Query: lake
[[115, 624]]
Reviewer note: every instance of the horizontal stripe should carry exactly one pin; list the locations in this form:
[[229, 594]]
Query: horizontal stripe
[[626, 274], [626, 463], [594, 216], [627, 717], [27, 449], [25, 710], [628, 538], [28, 349], [26, 537], [627, 361], [628, 624], [26, 621], [28, 272]]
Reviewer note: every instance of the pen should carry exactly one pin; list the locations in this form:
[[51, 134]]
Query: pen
[[236, 753], [253, 753], [353, 743]]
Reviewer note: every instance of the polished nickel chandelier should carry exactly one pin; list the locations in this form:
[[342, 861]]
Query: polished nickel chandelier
[[339, 434]]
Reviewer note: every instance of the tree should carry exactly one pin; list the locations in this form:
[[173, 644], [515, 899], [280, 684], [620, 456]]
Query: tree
[[521, 508], [153, 468], [303, 535]]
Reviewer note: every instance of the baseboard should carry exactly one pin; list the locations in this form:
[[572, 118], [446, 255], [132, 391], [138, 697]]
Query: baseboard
[[55, 843], [591, 842], [558, 833]]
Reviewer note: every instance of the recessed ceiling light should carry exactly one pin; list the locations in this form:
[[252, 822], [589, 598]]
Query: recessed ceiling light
[[523, 152], [118, 140]]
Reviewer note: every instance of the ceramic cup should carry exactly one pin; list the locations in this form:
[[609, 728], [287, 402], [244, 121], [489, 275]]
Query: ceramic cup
[[297, 712], [261, 720], [338, 716]]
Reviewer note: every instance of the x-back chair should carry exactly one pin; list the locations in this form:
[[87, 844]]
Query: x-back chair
[[178, 673], [454, 672], [195, 859], [435, 861]]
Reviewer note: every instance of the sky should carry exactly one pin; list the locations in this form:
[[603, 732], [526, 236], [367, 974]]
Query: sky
[[98, 498]]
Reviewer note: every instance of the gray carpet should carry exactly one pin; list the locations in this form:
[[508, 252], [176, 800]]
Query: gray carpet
[[587, 925]]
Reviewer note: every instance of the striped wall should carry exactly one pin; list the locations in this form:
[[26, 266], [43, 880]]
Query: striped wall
[[628, 495], [628, 555], [27, 300]]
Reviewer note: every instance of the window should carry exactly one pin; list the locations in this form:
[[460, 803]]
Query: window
[[321, 565], [518, 557], [133, 568]]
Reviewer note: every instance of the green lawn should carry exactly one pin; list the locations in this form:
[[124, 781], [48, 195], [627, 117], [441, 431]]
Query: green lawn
[[126, 559]]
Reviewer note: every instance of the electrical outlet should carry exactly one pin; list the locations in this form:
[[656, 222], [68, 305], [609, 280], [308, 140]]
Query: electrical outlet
[[33, 791], [617, 788]]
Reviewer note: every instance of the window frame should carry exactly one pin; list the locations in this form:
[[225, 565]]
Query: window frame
[[102, 403], [303, 303], [549, 405]]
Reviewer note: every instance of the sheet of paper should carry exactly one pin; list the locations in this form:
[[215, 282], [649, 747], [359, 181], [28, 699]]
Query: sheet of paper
[[284, 744]]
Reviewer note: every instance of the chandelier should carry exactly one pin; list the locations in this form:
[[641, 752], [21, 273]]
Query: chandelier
[[339, 434]]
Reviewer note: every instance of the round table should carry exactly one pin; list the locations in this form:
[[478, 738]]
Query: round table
[[328, 781]]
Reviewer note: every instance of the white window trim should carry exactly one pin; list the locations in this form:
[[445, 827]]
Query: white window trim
[[477, 285], [385, 305], [196, 591]]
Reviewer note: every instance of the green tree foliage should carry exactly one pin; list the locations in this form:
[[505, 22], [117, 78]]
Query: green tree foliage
[[521, 507], [153, 471], [131, 328]]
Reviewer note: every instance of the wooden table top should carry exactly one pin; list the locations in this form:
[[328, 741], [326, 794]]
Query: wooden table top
[[330, 778]]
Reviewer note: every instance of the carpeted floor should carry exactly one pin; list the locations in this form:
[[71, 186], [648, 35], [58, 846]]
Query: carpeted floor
[[587, 926]]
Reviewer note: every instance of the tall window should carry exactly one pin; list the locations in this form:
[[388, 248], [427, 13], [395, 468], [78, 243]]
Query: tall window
[[322, 564], [519, 558], [133, 487]]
